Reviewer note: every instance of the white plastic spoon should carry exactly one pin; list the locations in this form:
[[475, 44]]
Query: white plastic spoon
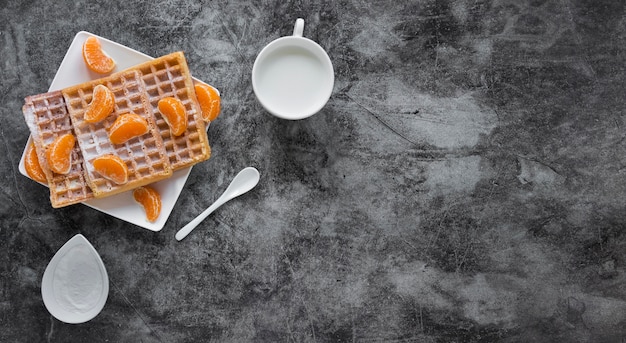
[[242, 183]]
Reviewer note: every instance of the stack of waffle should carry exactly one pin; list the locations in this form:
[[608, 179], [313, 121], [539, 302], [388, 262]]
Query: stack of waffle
[[149, 158]]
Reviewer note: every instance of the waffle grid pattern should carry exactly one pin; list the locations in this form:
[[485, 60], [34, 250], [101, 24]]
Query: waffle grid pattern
[[149, 158], [144, 156], [169, 76], [47, 118]]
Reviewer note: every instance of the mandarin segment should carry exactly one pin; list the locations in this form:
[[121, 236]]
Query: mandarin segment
[[126, 127], [32, 166], [209, 100], [174, 114], [150, 200], [59, 153], [112, 168], [95, 58], [102, 104]]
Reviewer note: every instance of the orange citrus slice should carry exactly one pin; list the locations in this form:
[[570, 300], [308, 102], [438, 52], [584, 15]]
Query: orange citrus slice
[[174, 114], [111, 167], [95, 58], [209, 100], [59, 153], [150, 200], [102, 104], [32, 166], [127, 126]]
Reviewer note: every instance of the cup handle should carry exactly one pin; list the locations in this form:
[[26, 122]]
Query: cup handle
[[299, 27]]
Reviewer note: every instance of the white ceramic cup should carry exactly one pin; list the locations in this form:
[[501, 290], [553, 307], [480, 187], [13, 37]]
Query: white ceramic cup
[[293, 76]]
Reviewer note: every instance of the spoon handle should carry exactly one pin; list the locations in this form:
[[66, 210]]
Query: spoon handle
[[182, 233]]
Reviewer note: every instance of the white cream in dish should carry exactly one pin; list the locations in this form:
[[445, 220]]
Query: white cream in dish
[[77, 281]]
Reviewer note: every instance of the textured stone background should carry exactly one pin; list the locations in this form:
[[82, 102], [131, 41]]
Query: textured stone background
[[465, 183]]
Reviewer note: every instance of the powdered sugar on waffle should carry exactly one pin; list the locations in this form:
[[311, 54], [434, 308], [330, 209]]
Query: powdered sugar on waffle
[[144, 155], [47, 118]]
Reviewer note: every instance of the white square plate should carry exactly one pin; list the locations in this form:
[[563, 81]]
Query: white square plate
[[73, 71]]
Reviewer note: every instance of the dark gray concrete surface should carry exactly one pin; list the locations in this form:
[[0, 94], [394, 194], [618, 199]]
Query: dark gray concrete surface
[[465, 183]]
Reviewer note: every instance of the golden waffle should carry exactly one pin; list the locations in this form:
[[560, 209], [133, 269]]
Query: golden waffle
[[144, 156], [47, 119], [169, 76], [149, 158]]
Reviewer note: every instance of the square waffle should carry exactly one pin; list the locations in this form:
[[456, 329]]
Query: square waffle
[[169, 76], [144, 155], [47, 118], [149, 158]]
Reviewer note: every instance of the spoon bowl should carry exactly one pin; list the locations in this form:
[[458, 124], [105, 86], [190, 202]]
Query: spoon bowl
[[245, 180]]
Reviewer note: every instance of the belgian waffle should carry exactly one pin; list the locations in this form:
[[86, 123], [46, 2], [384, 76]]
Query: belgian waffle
[[47, 118], [149, 158], [169, 76], [144, 156]]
